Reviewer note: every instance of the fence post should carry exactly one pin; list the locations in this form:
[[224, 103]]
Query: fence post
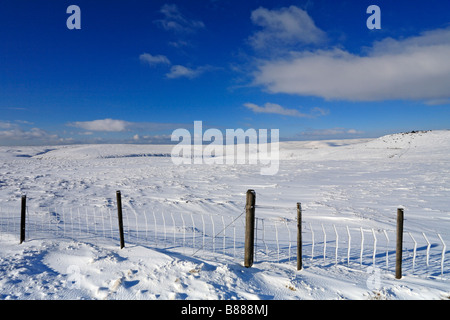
[[299, 236], [398, 258], [249, 228], [22, 218], [119, 214]]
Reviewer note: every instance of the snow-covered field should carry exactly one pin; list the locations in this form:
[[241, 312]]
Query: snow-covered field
[[347, 183]]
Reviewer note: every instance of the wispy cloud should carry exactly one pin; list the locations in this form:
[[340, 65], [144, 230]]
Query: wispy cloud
[[438, 102], [14, 108], [177, 22], [284, 27], [176, 71], [154, 60], [414, 68], [181, 26], [179, 71], [274, 108], [116, 125], [331, 132]]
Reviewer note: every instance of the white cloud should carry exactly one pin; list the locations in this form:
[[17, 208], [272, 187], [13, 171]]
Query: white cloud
[[438, 102], [114, 125], [179, 44], [6, 125], [19, 134], [331, 133], [285, 26], [277, 109], [274, 108], [157, 139], [107, 125], [179, 71], [415, 68], [176, 71], [175, 21], [154, 60], [15, 135]]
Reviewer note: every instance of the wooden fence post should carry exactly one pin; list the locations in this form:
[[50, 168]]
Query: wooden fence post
[[249, 228], [119, 214], [22, 218], [299, 236], [399, 249]]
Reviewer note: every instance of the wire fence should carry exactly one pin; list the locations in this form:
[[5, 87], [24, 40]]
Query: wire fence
[[359, 247], [221, 235], [188, 233]]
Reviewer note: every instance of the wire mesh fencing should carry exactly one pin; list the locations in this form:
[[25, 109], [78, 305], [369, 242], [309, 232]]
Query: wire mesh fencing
[[361, 247], [187, 233], [216, 234]]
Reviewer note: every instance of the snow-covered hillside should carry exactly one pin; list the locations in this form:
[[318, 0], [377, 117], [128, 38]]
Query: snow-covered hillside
[[346, 183]]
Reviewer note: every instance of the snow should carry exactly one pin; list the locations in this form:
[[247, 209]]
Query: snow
[[343, 183]]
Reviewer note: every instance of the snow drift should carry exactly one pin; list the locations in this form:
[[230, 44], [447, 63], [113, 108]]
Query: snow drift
[[345, 182]]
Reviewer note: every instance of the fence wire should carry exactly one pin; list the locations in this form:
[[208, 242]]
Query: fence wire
[[224, 235], [188, 233]]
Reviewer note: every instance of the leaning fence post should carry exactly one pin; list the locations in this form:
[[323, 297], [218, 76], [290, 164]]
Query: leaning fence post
[[428, 249], [299, 236], [22, 218], [119, 214], [398, 258], [442, 254], [249, 228]]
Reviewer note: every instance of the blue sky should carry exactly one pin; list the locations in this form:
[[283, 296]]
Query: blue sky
[[137, 70]]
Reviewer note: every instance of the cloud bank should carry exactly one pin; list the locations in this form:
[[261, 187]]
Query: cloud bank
[[116, 125], [12, 133], [414, 68]]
